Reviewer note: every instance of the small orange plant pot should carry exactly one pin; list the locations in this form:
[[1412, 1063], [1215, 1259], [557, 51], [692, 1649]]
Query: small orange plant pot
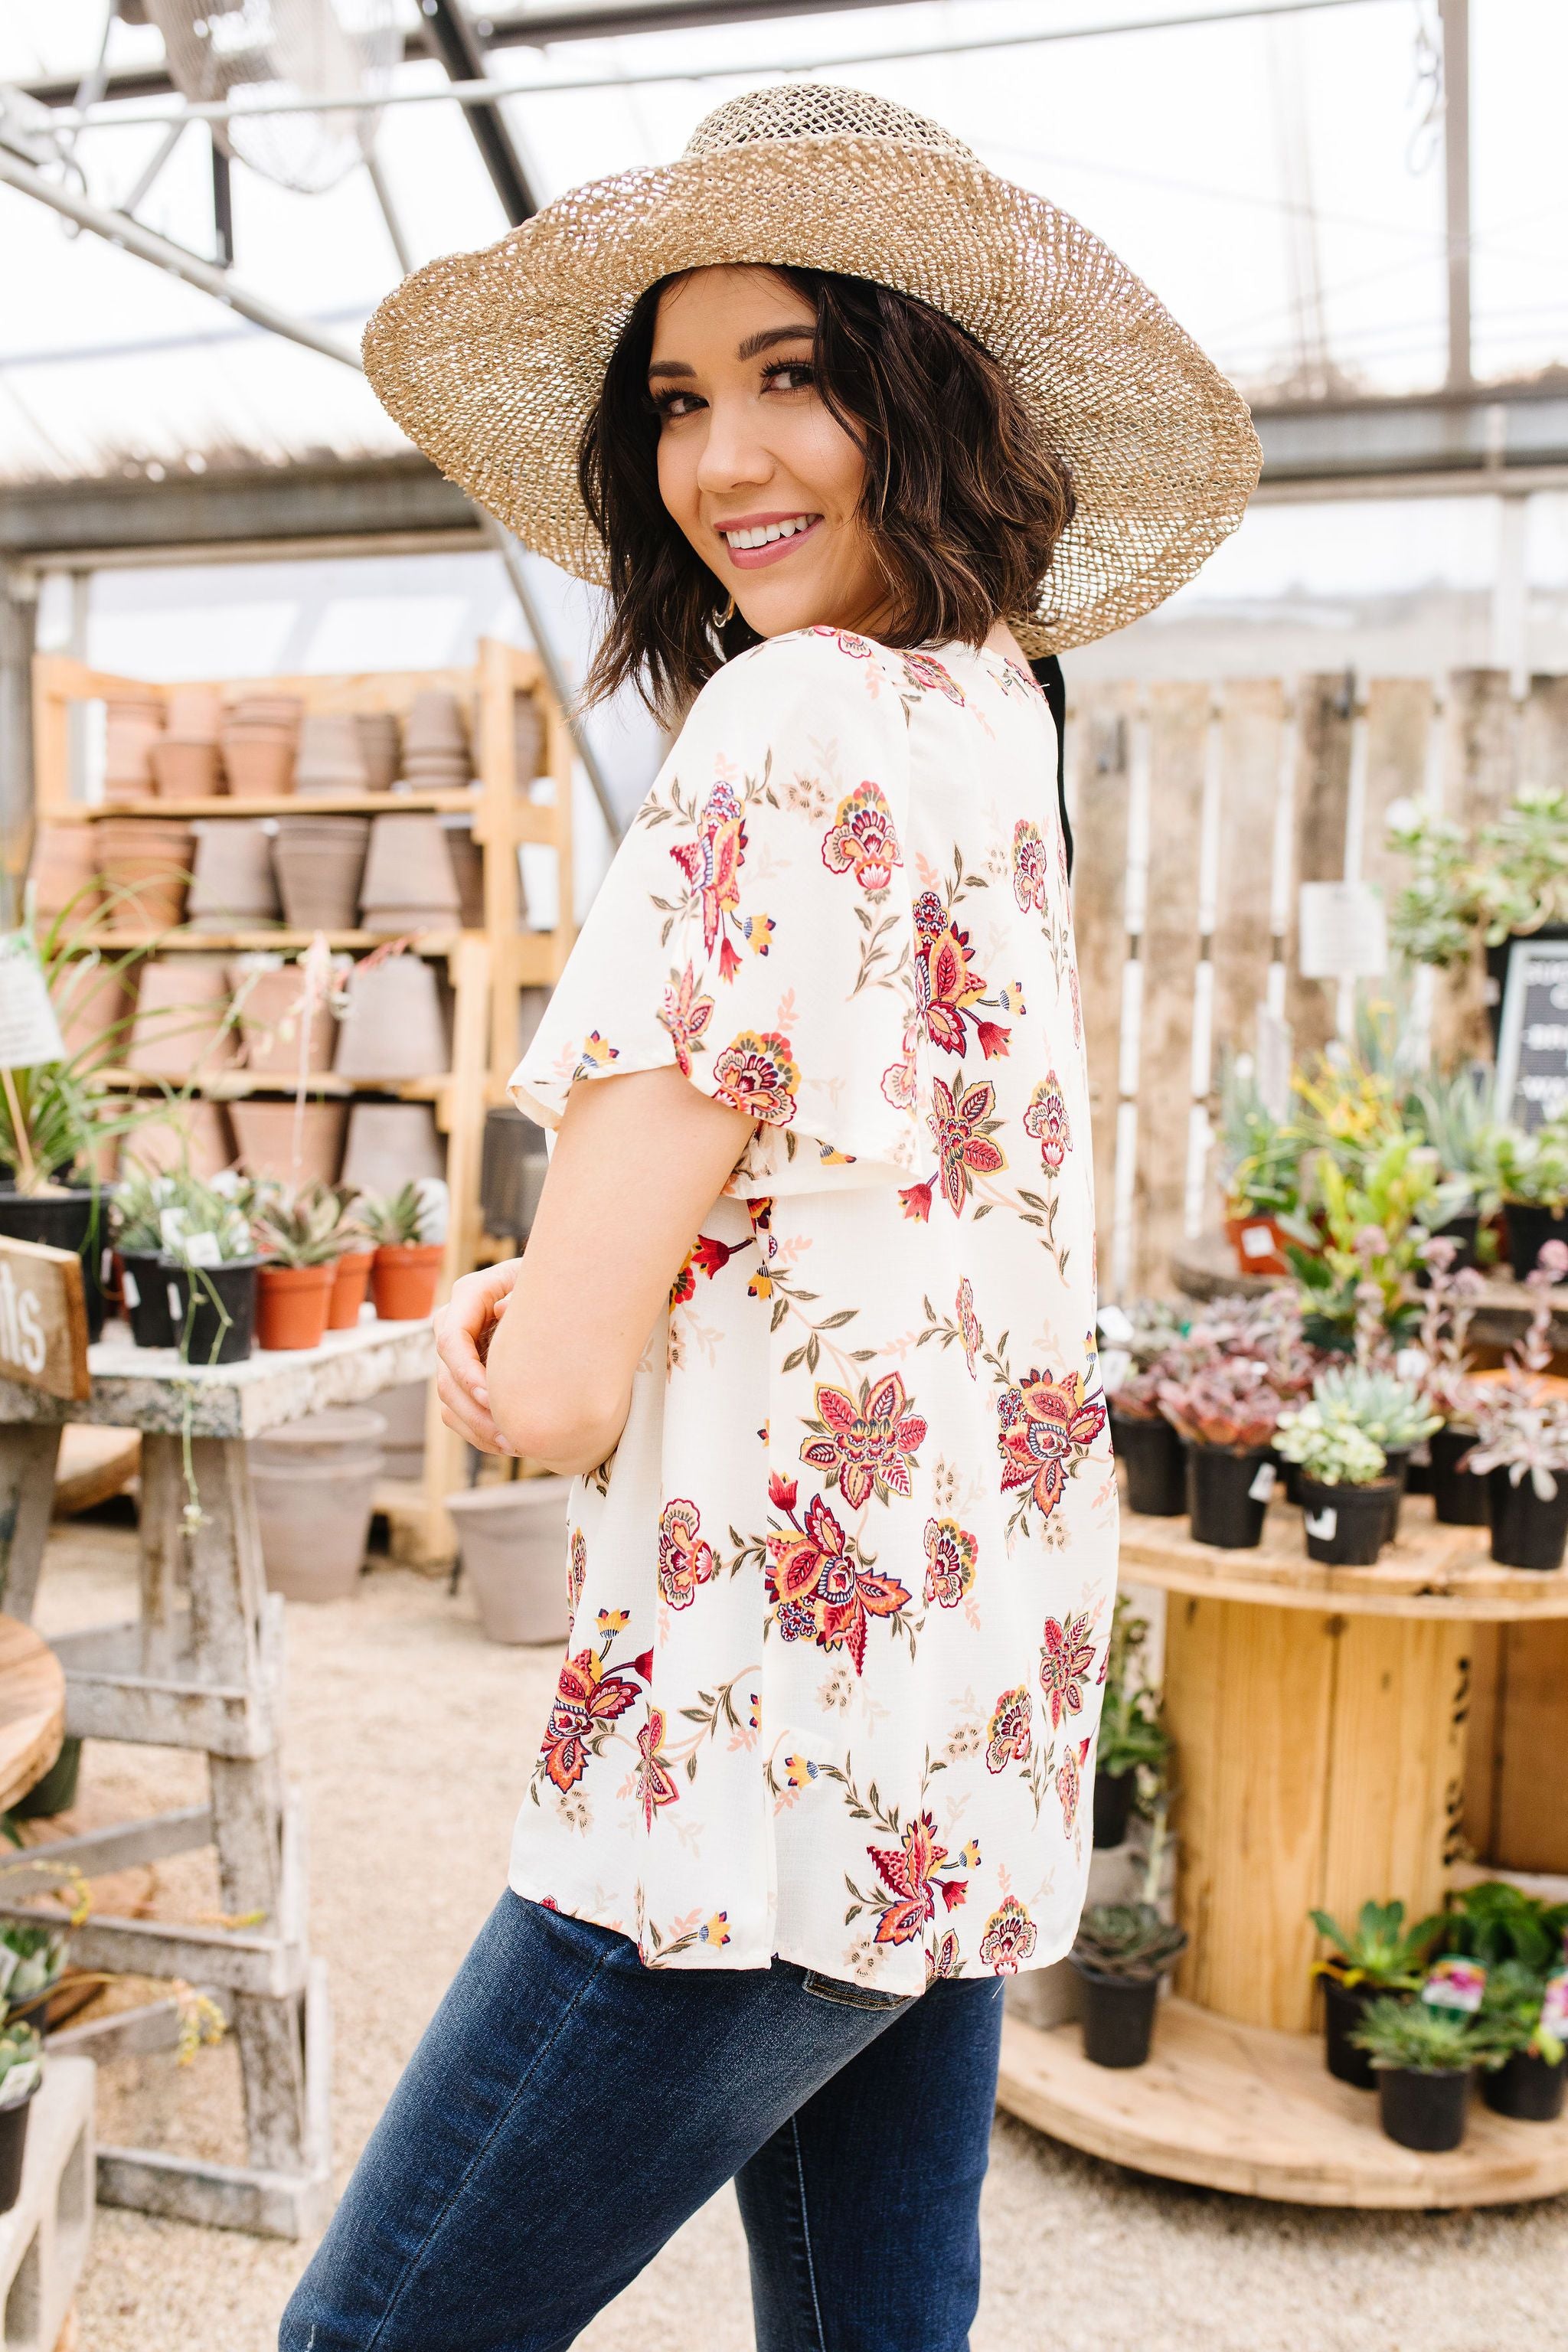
[[403, 1280], [350, 1282], [292, 1303]]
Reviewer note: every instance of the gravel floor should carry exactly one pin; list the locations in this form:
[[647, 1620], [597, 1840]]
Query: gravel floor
[[411, 1735]]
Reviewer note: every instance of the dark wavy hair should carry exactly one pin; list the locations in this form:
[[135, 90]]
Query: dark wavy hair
[[963, 503]]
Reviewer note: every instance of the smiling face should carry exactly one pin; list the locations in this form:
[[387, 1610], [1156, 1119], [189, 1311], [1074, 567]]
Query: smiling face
[[753, 467]]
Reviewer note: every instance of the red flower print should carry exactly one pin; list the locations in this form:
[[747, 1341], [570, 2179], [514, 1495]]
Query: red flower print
[[710, 1256], [1046, 1428], [945, 987], [686, 1015], [576, 1575], [655, 1784], [1046, 1120], [857, 649], [1010, 1936], [862, 840], [1031, 870], [963, 1128], [1064, 1659], [757, 1074], [944, 1961], [911, 1874], [995, 1039], [821, 1588], [930, 675], [713, 863], [684, 1563], [587, 1701], [781, 1491], [1009, 1734], [866, 1446], [1070, 1783], [916, 1199], [684, 1286], [968, 1324], [949, 1563]]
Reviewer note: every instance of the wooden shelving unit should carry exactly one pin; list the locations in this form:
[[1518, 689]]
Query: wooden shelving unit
[[485, 968]]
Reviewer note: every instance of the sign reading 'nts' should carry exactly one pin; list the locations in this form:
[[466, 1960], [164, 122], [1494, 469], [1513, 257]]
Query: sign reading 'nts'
[[1532, 1043], [43, 1319]]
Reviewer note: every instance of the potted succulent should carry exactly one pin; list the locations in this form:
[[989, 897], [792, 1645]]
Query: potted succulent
[[21, 2073], [1510, 880], [1494, 1921], [1392, 1412], [350, 1277], [1458, 1499], [1424, 2058], [1260, 1157], [1121, 1952], [32, 1961], [1521, 1446], [1379, 1958], [1132, 1741], [136, 1220], [1530, 2013], [1228, 1412], [211, 1272], [1532, 1179], [1455, 1115], [1135, 1357], [298, 1233], [1345, 1495], [406, 1268], [1378, 1206]]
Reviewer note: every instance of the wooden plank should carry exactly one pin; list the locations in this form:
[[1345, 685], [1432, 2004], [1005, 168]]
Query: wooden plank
[[1531, 1829], [1322, 808], [28, 1457], [94, 1465], [32, 1709], [1178, 719], [150, 1947], [216, 2196], [43, 1318], [98, 1853], [1098, 734], [1482, 775], [1483, 1756], [1251, 726], [138, 2033], [151, 1711], [1395, 1767], [1398, 716], [1240, 2108]]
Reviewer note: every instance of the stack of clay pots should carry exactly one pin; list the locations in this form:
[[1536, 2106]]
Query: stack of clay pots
[[234, 889], [468, 866], [183, 1027], [391, 1145], [393, 1026], [435, 747], [64, 873], [190, 1134], [278, 1038], [145, 863], [186, 762], [319, 862], [134, 723], [409, 882], [298, 1143], [94, 1002], [528, 738], [259, 736], [380, 748], [330, 758]]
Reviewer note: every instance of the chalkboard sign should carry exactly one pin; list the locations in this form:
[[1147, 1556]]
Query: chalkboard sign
[[1533, 1043]]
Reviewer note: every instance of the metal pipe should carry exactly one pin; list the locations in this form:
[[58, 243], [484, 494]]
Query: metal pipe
[[389, 213], [561, 686], [150, 170], [1456, 21]]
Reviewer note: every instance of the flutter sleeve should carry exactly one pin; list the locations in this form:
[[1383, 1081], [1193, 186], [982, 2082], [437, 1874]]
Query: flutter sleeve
[[755, 928]]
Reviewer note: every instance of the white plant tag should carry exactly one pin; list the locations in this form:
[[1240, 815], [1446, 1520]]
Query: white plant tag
[[1257, 1241], [1115, 1364], [1262, 1486], [1116, 1327], [171, 1227], [1341, 934], [128, 1290], [176, 1305], [202, 1249], [1321, 1523]]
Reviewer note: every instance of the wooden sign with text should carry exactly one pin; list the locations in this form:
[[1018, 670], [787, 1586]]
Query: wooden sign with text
[[43, 1319]]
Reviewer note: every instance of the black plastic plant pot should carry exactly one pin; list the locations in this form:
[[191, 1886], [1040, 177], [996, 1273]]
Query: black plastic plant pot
[[1220, 1502], [12, 2147], [1530, 1228], [1419, 1474], [56, 1793], [1526, 2088], [77, 1219], [1396, 1469], [1527, 1530], [1156, 1472], [1113, 1795], [1342, 2008], [144, 1288], [214, 1309], [1424, 2110], [1346, 1526], [1117, 2015], [1459, 1497]]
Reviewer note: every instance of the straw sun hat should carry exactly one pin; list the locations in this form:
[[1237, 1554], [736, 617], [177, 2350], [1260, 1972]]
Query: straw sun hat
[[491, 362]]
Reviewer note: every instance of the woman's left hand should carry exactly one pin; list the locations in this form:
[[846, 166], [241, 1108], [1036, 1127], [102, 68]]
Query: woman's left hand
[[464, 1328]]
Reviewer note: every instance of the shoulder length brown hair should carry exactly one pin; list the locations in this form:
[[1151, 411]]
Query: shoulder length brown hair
[[963, 504]]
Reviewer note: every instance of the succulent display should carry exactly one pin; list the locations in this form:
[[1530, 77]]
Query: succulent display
[[1418, 2039], [1128, 1939], [1370, 1398], [1332, 1451], [1231, 1404]]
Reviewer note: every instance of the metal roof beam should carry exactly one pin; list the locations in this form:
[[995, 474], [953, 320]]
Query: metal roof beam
[[450, 38]]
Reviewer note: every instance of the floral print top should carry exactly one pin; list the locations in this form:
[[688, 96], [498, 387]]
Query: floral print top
[[841, 1597]]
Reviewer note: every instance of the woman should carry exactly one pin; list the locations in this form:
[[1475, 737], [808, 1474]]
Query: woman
[[808, 1308]]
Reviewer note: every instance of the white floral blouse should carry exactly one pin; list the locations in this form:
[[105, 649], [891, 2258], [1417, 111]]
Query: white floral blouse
[[841, 1597]]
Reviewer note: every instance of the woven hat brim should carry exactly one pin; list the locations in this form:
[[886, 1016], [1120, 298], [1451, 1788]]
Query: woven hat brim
[[491, 362]]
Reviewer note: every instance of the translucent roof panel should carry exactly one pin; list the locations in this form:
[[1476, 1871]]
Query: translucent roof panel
[[1277, 180]]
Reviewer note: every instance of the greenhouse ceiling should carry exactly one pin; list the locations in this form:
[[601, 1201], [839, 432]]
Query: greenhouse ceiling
[[1277, 171]]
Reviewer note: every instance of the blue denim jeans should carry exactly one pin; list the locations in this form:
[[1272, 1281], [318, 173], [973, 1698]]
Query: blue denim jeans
[[567, 2109]]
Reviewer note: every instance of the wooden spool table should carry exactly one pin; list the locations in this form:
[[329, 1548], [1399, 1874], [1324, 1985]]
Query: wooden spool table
[[32, 1709], [202, 1667], [1318, 1718]]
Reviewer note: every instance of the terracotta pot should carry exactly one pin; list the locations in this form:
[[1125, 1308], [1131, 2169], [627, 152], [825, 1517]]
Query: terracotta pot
[[64, 873], [320, 861], [350, 1282], [468, 865], [188, 1134], [406, 1410], [292, 1303], [409, 922], [330, 759], [234, 887], [132, 725], [271, 1144], [182, 1019], [277, 1041], [528, 738], [195, 713], [394, 1028], [185, 770], [512, 1539], [259, 761], [410, 864], [146, 866], [379, 748], [1258, 1244], [94, 1002], [404, 1278], [315, 1488], [391, 1145]]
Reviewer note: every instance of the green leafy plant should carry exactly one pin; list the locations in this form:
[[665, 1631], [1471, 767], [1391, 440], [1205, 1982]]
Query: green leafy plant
[[205, 1224], [1131, 1738], [137, 1210], [1332, 1451], [1390, 1410], [1260, 1155], [1512, 2004], [1380, 1949], [54, 1115], [1511, 876], [1416, 2039], [1377, 1216], [1455, 1115], [396, 1221], [1495, 1921], [30, 1960], [1533, 1169], [1129, 1941], [21, 2063]]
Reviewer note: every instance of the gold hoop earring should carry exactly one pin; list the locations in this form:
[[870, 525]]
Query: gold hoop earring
[[727, 614]]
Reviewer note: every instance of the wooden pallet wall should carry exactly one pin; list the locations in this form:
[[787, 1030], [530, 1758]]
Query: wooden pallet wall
[[1198, 809]]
